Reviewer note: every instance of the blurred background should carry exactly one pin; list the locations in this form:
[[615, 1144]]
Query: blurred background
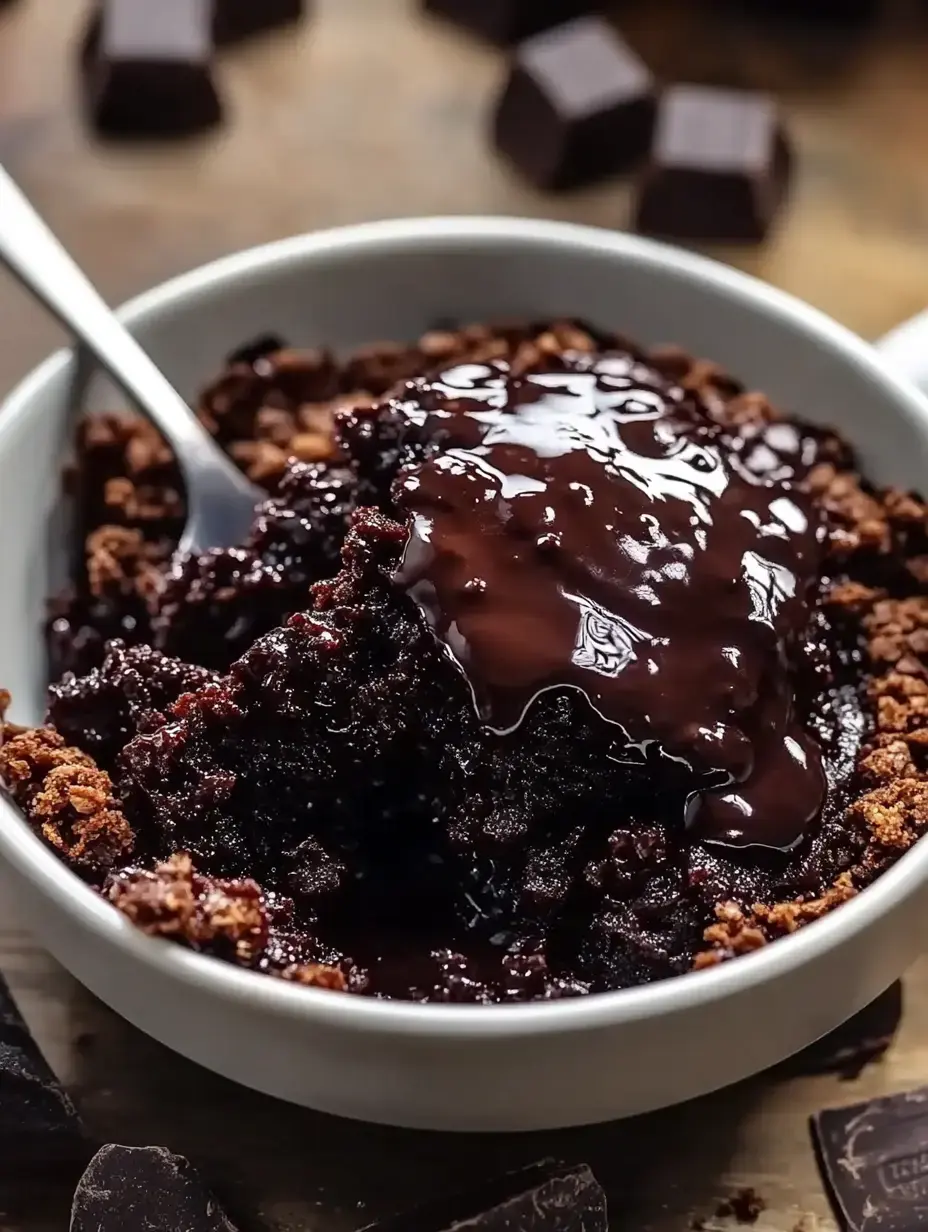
[[373, 108]]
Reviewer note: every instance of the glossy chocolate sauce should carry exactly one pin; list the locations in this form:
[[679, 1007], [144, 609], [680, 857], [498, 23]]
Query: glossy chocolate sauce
[[593, 529]]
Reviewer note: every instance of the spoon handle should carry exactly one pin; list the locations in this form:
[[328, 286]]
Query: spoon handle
[[31, 252]]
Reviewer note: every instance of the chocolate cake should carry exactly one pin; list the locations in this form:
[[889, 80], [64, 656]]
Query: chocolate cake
[[550, 666]]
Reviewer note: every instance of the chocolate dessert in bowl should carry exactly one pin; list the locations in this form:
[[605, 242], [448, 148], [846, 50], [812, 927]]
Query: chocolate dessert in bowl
[[561, 679]]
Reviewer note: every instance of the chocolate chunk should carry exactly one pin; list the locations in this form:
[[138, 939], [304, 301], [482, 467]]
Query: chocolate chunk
[[37, 1119], [578, 105], [863, 1038], [873, 1159], [144, 1188], [840, 12], [147, 69], [236, 20], [546, 1197], [507, 21], [259, 348], [719, 166]]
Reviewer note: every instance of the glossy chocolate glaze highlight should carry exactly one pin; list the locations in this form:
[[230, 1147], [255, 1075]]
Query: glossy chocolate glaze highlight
[[593, 528]]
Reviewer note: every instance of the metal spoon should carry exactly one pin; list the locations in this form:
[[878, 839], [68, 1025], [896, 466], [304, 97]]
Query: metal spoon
[[220, 500]]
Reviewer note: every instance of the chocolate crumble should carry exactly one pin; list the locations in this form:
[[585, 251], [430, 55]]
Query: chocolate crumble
[[498, 699]]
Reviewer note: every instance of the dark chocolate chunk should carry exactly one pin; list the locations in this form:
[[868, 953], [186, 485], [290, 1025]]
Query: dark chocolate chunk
[[856, 1043], [840, 12], [507, 21], [38, 1122], [874, 1159], [144, 1188], [546, 1197], [147, 68], [259, 348], [719, 166], [237, 20], [578, 105]]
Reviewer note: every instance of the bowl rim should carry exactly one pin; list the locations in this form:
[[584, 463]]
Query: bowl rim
[[48, 875]]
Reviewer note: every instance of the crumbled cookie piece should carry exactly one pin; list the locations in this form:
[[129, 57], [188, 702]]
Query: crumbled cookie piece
[[898, 629], [66, 799], [896, 814], [76, 813], [739, 930], [316, 975], [28, 756], [120, 561], [227, 918]]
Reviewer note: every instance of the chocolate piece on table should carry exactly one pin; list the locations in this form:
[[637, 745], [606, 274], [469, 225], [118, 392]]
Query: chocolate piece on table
[[236, 20], [850, 1047], [546, 1197], [507, 21], [872, 1157], [144, 1189], [719, 166], [38, 1122], [838, 12], [148, 69], [578, 105]]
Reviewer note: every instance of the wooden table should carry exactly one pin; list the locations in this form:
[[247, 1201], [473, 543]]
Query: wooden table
[[374, 111]]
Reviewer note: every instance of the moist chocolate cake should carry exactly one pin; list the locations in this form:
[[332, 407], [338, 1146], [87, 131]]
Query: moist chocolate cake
[[550, 666]]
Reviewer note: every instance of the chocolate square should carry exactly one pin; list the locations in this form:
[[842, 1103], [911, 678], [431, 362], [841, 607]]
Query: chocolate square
[[546, 1197], [148, 68], [578, 105], [507, 21], [874, 1158], [719, 166], [237, 20], [144, 1189]]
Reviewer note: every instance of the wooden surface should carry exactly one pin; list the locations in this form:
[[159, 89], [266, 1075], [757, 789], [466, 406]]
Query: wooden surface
[[374, 111]]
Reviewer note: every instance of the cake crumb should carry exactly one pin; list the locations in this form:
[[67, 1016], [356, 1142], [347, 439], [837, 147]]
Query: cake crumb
[[224, 917], [316, 975], [66, 798], [744, 1205]]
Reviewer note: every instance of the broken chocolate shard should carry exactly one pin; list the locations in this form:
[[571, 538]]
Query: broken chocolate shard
[[578, 105], [546, 1197], [507, 21], [38, 1122], [719, 167], [874, 1160], [147, 68], [234, 21], [864, 1038], [144, 1189]]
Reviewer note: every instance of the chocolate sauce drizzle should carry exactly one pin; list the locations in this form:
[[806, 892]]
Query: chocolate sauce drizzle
[[594, 529]]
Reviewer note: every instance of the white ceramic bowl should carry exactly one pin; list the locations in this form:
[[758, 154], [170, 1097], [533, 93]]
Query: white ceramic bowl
[[448, 1067]]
